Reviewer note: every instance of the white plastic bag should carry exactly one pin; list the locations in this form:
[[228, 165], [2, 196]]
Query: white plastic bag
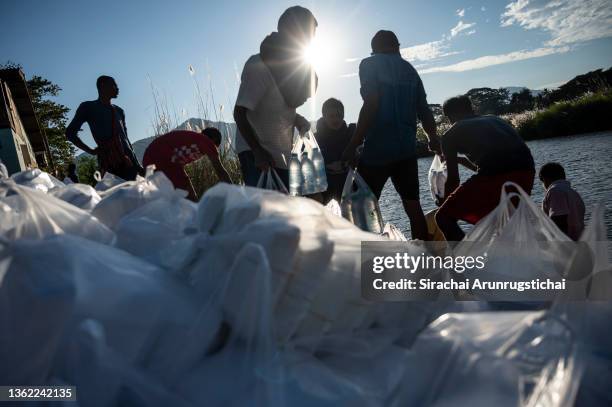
[[108, 181], [145, 312], [37, 179], [437, 178], [80, 195], [162, 232], [3, 171], [120, 200], [359, 205], [270, 180], [485, 359], [521, 244], [32, 214], [393, 233]]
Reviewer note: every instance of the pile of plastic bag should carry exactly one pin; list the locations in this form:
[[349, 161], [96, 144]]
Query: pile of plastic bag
[[251, 297]]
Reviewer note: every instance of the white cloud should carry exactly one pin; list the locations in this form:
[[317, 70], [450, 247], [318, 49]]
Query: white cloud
[[461, 12], [491, 60], [461, 26], [428, 51], [483, 8], [567, 21], [470, 32]]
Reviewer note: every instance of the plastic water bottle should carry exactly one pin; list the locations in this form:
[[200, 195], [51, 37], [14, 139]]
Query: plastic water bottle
[[308, 175], [319, 167], [371, 213], [365, 212], [295, 175]]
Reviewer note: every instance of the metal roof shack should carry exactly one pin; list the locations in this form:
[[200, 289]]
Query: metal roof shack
[[17, 113]]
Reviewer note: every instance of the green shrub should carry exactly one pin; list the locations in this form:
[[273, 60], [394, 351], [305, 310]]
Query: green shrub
[[589, 113], [86, 166]]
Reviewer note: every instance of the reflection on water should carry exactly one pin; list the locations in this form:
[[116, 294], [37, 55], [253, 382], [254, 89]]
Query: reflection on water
[[588, 165]]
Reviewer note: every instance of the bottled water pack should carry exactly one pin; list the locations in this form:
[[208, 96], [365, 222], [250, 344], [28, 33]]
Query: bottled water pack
[[306, 167]]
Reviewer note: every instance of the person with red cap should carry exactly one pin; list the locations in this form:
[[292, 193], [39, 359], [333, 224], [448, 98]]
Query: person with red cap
[[170, 153]]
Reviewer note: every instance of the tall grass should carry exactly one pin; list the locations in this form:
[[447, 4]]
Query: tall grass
[[585, 114], [203, 175], [201, 172]]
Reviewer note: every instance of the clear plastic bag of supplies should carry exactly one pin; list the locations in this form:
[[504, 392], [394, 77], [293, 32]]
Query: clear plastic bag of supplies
[[521, 244], [32, 214], [80, 195], [494, 358], [37, 179], [121, 199], [307, 174], [359, 204], [108, 181], [161, 231], [437, 178], [270, 180]]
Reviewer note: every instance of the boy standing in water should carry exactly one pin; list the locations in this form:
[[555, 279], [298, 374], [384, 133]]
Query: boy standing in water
[[333, 135], [562, 203]]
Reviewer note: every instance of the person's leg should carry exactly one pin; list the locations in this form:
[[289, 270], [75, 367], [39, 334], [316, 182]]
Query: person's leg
[[447, 223], [470, 202], [375, 176], [405, 178], [250, 173]]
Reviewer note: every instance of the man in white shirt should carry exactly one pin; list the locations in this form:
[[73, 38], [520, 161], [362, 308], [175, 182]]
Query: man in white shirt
[[274, 84]]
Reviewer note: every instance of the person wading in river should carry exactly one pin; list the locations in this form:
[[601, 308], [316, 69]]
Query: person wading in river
[[107, 124], [494, 150]]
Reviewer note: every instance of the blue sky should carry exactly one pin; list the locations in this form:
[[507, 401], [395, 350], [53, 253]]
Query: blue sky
[[455, 45]]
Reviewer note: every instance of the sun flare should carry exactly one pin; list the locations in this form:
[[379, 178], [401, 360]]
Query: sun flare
[[317, 53]]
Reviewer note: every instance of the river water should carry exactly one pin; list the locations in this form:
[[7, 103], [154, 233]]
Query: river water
[[587, 160]]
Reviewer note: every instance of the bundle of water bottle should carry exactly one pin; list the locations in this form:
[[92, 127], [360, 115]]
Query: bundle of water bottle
[[306, 167], [307, 176]]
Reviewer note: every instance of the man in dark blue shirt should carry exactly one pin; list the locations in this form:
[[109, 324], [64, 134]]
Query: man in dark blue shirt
[[107, 124], [393, 100]]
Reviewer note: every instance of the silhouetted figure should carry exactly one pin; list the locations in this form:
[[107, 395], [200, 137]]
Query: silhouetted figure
[[393, 98], [107, 124], [562, 203], [494, 150], [170, 153], [333, 135], [274, 83], [214, 135], [72, 174]]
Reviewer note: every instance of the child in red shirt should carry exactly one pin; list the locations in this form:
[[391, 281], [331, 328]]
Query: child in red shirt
[[170, 153]]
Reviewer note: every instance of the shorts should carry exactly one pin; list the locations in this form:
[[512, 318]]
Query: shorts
[[404, 174], [479, 195]]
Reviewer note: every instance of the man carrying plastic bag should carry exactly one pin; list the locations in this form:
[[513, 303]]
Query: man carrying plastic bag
[[496, 152], [393, 99], [274, 83]]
